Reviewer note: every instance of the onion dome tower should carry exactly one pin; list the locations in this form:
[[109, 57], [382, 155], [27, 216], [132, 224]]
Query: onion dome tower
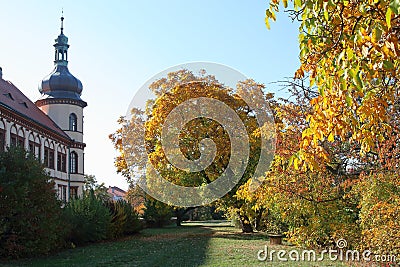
[[61, 101], [60, 83]]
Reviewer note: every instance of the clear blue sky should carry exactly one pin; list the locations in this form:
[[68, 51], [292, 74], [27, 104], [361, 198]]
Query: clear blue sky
[[116, 46]]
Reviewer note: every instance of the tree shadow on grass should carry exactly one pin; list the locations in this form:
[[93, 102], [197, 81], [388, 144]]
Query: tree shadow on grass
[[188, 245], [179, 246]]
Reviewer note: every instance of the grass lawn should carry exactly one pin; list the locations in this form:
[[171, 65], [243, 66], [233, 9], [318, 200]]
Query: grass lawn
[[193, 244]]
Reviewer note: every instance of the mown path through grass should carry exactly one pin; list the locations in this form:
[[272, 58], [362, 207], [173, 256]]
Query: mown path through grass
[[193, 244]]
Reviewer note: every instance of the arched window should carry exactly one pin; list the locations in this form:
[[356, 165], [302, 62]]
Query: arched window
[[73, 162], [48, 158], [61, 159], [73, 122]]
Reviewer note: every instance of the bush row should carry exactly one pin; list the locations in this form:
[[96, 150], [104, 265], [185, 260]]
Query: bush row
[[91, 219], [33, 221]]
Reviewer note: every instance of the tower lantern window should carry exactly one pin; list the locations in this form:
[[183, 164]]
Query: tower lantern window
[[73, 122]]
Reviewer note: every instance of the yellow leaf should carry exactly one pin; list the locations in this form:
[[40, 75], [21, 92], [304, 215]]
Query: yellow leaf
[[296, 163], [331, 138], [267, 23], [388, 17]]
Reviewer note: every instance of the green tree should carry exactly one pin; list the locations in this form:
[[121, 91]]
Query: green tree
[[91, 184], [125, 219], [30, 214], [89, 219]]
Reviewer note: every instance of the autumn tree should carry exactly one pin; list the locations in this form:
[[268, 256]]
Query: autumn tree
[[379, 192], [350, 51], [172, 91], [314, 206]]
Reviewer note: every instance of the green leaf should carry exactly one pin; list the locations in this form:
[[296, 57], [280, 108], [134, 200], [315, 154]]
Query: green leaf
[[388, 65], [321, 91], [358, 82], [352, 73], [356, 75], [395, 7], [376, 34], [343, 82], [297, 3]]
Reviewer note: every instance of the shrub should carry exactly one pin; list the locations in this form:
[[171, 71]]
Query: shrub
[[319, 225], [271, 222], [380, 213], [204, 213], [30, 214], [118, 218], [156, 213], [89, 219], [125, 220], [133, 223]]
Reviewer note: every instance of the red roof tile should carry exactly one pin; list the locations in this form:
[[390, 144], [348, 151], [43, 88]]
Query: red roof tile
[[12, 98]]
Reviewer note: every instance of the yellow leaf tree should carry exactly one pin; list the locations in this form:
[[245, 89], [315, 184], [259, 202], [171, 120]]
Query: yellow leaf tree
[[351, 50], [171, 91], [312, 200]]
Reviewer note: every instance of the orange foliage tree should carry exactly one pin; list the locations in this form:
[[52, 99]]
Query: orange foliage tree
[[351, 51], [315, 204], [170, 92], [336, 169]]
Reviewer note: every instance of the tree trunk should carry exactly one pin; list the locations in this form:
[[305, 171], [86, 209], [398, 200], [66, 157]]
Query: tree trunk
[[178, 221], [179, 213], [245, 224], [258, 219]]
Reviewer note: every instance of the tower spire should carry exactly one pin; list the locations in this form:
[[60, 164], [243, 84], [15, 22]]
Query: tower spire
[[60, 83], [62, 21], [61, 46]]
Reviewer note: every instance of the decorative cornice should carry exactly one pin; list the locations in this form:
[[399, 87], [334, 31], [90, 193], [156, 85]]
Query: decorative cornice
[[66, 179], [47, 101], [78, 145]]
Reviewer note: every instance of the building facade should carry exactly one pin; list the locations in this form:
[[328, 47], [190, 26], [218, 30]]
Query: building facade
[[116, 193], [52, 127]]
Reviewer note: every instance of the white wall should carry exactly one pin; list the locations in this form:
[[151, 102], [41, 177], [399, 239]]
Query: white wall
[[60, 177], [59, 113]]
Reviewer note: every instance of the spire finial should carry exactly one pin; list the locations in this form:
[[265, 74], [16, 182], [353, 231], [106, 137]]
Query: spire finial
[[62, 21]]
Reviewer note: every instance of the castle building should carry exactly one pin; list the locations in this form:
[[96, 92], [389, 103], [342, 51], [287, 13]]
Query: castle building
[[52, 127]]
